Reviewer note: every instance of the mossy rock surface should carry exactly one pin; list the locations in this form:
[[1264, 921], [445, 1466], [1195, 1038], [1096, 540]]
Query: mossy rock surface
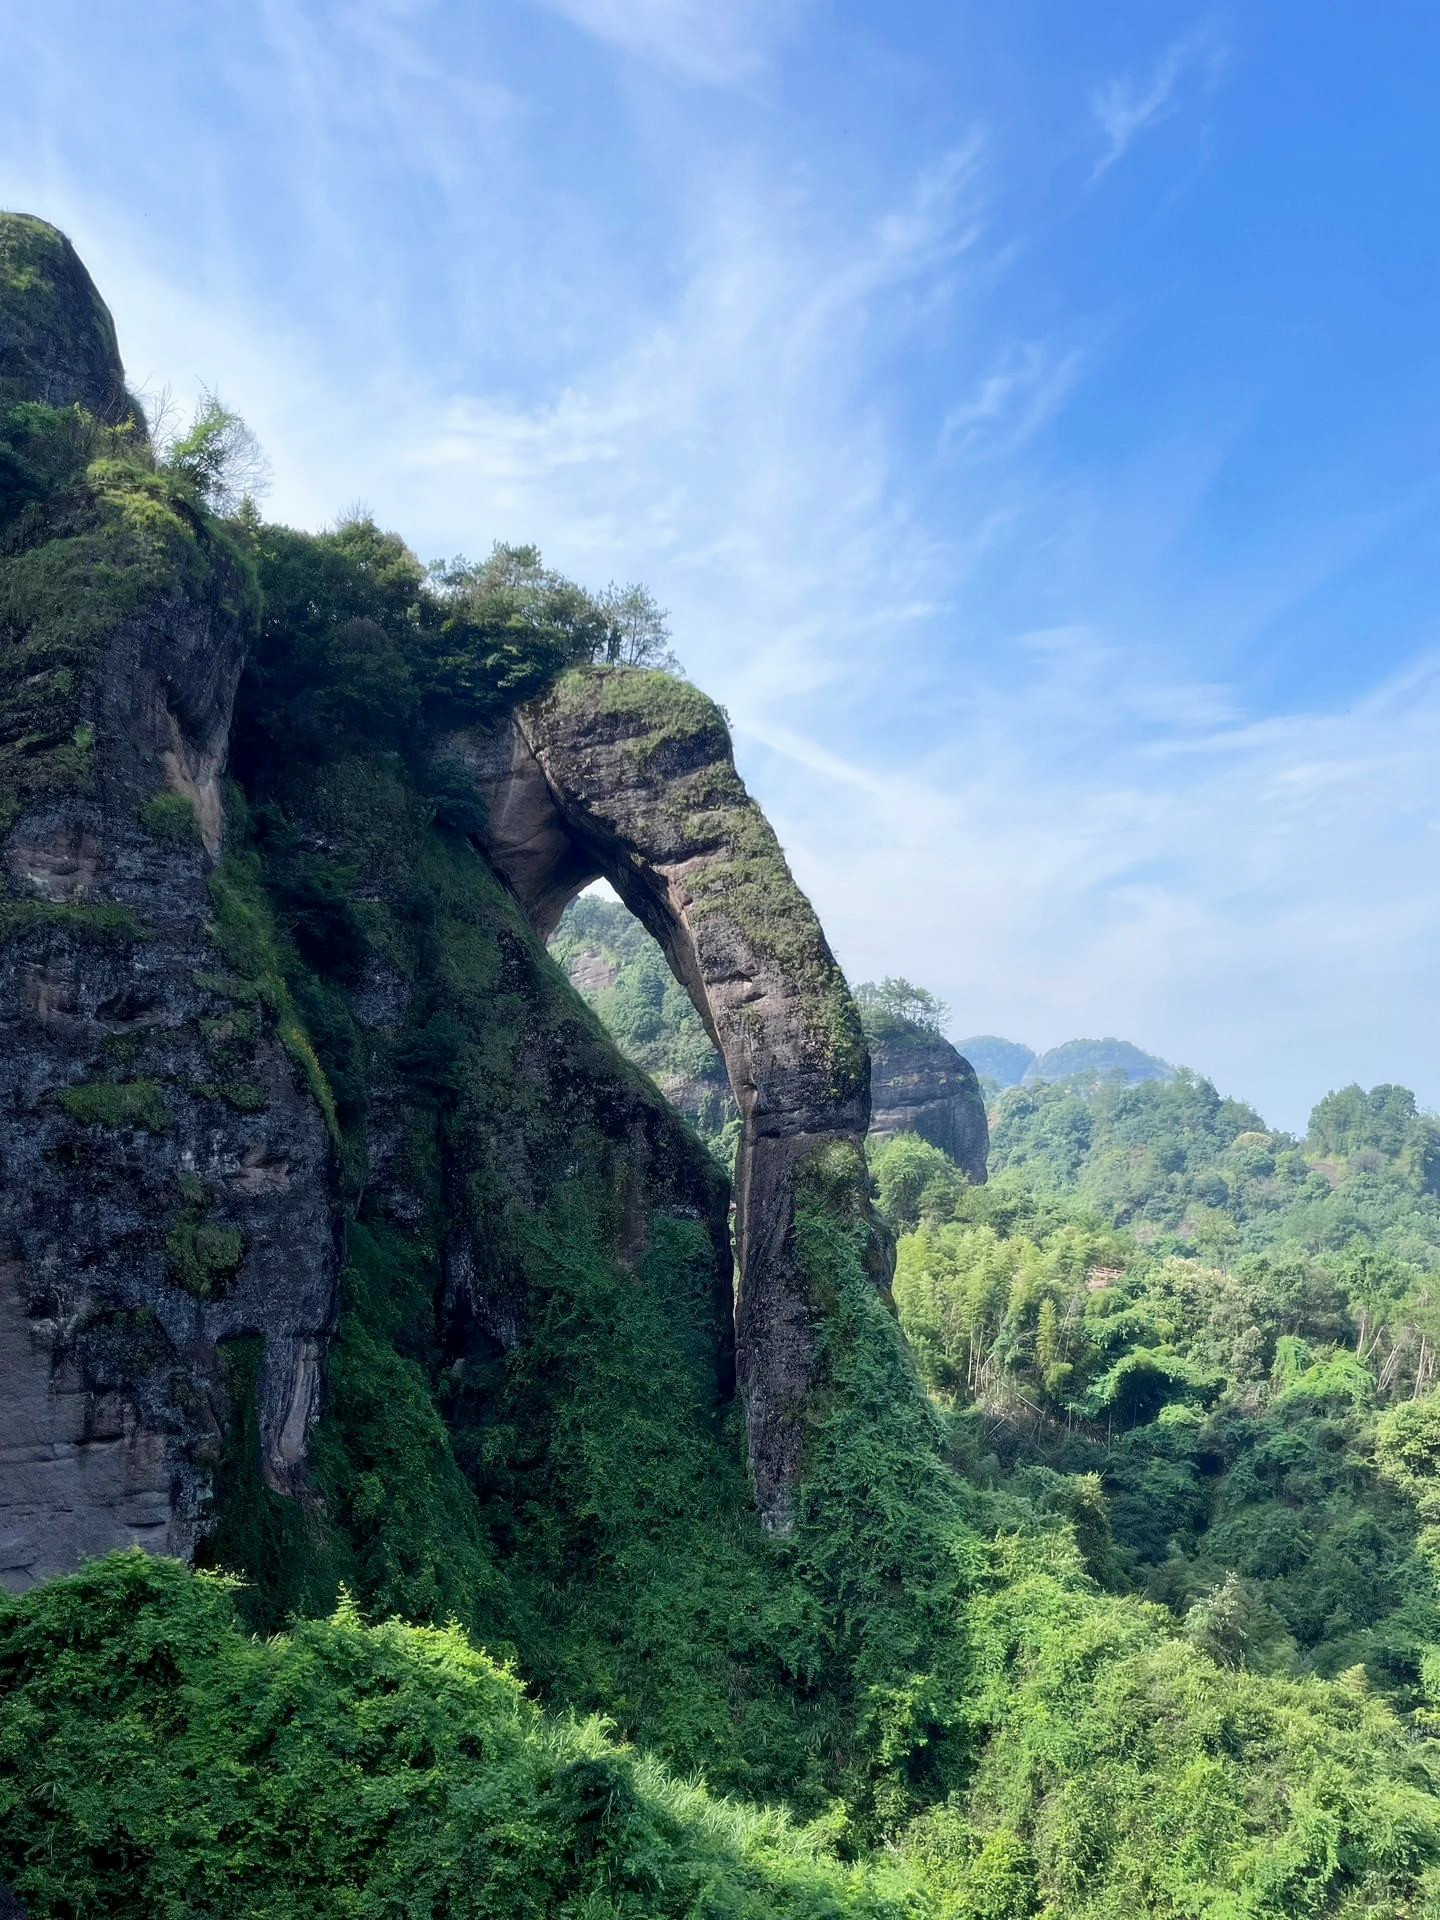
[[57, 339], [629, 774]]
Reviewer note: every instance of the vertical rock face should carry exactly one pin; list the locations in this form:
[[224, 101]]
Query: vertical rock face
[[165, 1175], [488, 1088], [57, 340], [168, 1178], [629, 775], [920, 1084]]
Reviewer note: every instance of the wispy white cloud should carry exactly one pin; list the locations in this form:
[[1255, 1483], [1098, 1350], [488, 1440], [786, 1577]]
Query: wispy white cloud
[[717, 42], [1126, 106], [1012, 401], [1261, 908], [1066, 821]]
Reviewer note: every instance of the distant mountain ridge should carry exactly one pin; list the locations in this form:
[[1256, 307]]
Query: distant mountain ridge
[[1009, 1063]]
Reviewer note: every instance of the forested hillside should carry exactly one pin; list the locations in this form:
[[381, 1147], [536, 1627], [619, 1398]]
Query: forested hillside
[[391, 1306], [1209, 1343], [1007, 1063], [609, 957], [1222, 1337]]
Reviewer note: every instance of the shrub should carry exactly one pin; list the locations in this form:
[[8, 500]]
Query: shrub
[[118, 1103], [204, 1257], [172, 816]]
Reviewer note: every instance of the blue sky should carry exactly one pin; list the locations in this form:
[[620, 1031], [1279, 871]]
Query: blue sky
[[1030, 414]]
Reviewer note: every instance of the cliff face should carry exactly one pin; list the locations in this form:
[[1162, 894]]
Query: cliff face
[[228, 1029], [167, 1176], [921, 1084], [57, 340]]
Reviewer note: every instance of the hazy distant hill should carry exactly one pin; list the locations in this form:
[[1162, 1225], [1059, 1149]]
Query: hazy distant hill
[[1008, 1063], [1097, 1060]]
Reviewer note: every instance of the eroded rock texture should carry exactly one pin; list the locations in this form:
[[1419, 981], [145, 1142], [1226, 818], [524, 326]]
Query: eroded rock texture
[[165, 1174], [920, 1084], [629, 775], [488, 1087], [168, 1168], [57, 340]]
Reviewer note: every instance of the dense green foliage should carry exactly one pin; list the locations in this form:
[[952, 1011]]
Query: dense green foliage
[[1048, 1640], [1193, 1173], [893, 1009], [1031, 1745], [157, 1762], [1193, 1336], [610, 958]]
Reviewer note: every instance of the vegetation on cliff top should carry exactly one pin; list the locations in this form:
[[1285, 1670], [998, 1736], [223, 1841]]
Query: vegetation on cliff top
[[1011, 1661]]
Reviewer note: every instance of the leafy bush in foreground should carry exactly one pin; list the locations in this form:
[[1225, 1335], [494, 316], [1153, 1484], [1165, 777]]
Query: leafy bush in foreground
[[156, 1761]]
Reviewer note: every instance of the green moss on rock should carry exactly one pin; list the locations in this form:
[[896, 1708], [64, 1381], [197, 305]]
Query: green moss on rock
[[118, 1103], [245, 933], [204, 1256], [677, 799], [172, 817], [57, 340], [100, 924]]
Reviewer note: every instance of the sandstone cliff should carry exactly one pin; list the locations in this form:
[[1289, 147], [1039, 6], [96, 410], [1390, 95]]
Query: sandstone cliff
[[57, 340], [921, 1084], [238, 1020], [167, 1179], [629, 774]]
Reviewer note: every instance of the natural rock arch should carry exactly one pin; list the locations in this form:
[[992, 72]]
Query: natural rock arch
[[628, 775]]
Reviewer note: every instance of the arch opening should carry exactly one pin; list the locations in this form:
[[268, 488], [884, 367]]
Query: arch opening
[[614, 962], [627, 775]]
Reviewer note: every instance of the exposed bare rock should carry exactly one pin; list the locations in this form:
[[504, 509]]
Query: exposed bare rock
[[166, 1177], [629, 775], [920, 1084], [592, 973], [57, 340]]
